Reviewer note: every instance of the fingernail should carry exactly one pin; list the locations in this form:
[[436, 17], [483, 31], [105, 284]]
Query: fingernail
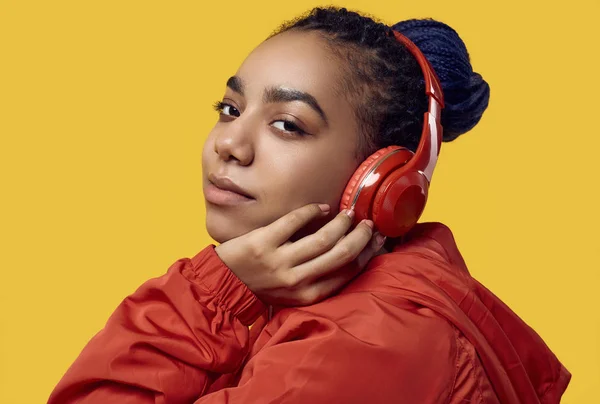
[[324, 207], [380, 239], [368, 223], [350, 213]]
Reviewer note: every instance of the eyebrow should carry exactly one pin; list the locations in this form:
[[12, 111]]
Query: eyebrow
[[280, 94], [236, 84]]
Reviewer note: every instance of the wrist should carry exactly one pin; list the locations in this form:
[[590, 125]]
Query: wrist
[[210, 271]]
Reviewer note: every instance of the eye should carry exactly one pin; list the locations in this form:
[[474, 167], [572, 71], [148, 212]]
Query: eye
[[230, 110], [287, 126], [226, 109]]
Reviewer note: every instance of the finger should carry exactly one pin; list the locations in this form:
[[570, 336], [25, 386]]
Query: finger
[[328, 286], [286, 226], [330, 283], [341, 254], [320, 242], [333, 282], [377, 242]]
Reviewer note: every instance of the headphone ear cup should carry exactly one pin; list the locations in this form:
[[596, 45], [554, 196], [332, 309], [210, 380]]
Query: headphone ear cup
[[362, 207], [399, 202]]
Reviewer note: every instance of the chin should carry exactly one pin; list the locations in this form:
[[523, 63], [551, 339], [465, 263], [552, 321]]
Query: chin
[[222, 227]]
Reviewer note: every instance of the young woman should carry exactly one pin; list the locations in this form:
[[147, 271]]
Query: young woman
[[339, 315]]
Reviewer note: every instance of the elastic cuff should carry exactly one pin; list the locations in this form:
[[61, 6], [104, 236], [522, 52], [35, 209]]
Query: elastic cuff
[[229, 291]]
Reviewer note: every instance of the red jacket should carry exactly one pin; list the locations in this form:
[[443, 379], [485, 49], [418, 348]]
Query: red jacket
[[415, 327]]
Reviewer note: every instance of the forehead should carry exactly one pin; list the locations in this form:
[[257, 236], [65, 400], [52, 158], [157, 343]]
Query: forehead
[[298, 60]]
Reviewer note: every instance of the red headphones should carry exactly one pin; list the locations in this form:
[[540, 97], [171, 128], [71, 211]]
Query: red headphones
[[391, 186]]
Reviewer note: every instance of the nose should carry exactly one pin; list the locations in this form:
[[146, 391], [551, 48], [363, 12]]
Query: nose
[[235, 143]]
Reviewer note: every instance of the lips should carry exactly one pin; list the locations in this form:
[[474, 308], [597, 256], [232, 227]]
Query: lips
[[225, 192], [226, 184]]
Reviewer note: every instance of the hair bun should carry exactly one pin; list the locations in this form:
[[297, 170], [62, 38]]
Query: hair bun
[[466, 93]]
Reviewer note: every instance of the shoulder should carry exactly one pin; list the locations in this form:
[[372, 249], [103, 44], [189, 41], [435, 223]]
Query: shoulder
[[400, 347]]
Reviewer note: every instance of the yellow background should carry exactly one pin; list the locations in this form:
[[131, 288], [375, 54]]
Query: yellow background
[[104, 107]]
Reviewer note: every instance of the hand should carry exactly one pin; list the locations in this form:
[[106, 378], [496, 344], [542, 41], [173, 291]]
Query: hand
[[308, 270]]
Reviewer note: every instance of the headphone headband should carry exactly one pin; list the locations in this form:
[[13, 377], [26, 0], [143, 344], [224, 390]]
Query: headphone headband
[[425, 157], [391, 186]]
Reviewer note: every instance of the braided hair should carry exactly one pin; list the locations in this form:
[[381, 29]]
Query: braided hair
[[384, 82]]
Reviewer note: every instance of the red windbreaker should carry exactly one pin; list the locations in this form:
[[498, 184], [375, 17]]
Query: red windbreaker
[[415, 327]]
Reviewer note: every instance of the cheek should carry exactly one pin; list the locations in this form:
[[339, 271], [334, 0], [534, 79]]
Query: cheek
[[314, 179], [207, 149]]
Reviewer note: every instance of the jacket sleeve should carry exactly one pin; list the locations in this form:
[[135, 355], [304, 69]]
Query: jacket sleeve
[[374, 354], [167, 342]]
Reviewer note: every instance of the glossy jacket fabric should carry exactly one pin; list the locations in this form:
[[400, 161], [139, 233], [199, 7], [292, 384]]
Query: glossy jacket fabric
[[415, 327]]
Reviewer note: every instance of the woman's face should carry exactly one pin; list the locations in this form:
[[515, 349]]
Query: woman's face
[[286, 137]]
